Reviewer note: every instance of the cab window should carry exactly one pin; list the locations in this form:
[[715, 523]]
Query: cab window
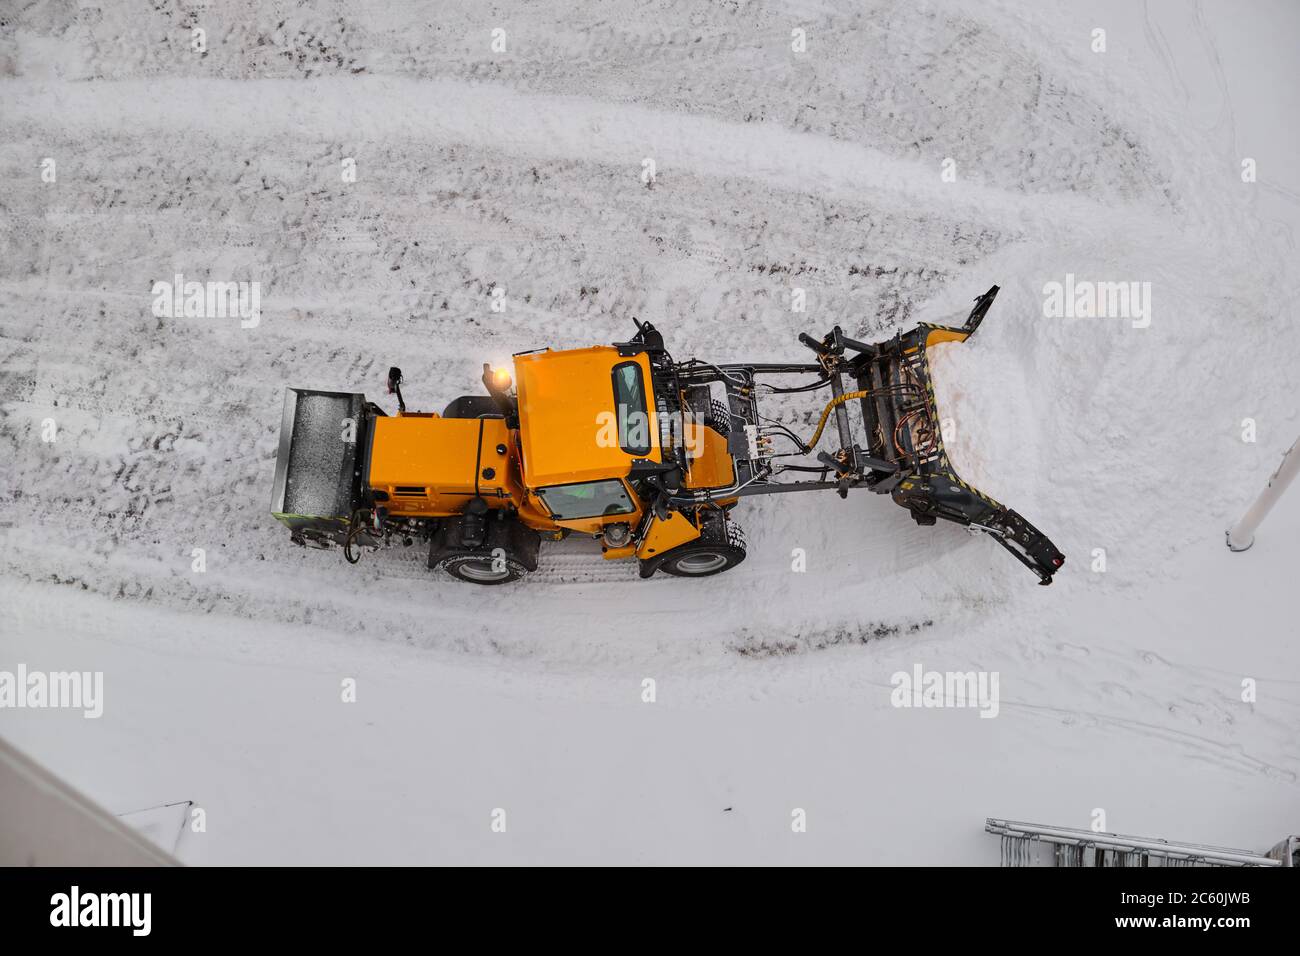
[[630, 403], [588, 499]]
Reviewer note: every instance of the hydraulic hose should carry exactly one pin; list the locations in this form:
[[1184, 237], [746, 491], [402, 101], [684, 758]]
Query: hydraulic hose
[[354, 529], [830, 407], [846, 397]]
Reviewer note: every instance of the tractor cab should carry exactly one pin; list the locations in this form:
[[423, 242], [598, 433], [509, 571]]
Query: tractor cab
[[586, 419]]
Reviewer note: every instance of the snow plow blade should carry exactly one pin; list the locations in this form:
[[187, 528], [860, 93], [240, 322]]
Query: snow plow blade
[[895, 447], [903, 428]]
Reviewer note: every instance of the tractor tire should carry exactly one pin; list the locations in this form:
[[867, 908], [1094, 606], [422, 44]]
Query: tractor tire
[[718, 417], [720, 547], [484, 567], [504, 551]]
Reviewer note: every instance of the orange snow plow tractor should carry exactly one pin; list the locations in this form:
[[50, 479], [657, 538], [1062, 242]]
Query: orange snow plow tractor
[[622, 443]]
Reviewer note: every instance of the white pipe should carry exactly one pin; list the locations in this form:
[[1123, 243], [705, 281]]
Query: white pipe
[[1242, 535]]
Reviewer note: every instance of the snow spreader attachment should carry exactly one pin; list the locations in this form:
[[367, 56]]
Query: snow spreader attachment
[[623, 444], [317, 487]]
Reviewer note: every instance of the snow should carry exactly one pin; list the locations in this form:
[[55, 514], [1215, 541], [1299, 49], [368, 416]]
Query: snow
[[1119, 690]]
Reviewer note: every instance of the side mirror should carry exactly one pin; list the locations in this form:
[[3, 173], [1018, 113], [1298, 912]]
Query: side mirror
[[395, 386]]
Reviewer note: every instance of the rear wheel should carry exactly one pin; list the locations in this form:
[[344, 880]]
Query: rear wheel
[[484, 567], [720, 547], [482, 547]]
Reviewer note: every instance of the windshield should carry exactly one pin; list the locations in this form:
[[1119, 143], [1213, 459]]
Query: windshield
[[589, 499], [629, 399]]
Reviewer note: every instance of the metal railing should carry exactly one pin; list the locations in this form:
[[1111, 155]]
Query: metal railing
[[1021, 844]]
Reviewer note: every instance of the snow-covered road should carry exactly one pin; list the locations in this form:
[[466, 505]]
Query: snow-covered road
[[522, 170]]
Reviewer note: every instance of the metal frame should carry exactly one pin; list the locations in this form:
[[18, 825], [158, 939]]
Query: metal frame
[[1113, 849], [898, 396]]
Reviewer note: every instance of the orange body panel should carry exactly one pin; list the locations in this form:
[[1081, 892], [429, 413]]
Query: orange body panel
[[567, 420], [426, 464], [938, 336], [712, 467], [666, 533]]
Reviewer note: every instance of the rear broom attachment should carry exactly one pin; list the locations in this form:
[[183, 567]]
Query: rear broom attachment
[[905, 455]]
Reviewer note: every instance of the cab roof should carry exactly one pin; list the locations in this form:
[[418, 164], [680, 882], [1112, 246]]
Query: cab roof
[[567, 416]]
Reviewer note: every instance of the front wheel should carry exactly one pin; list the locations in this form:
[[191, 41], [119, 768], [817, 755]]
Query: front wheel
[[720, 547]]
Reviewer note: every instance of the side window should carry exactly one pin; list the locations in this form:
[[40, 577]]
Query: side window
[[630, 404], [590, 499]]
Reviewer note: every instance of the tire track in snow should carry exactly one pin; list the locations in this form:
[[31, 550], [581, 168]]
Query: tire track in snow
[[1230, 755], [533, 126]]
